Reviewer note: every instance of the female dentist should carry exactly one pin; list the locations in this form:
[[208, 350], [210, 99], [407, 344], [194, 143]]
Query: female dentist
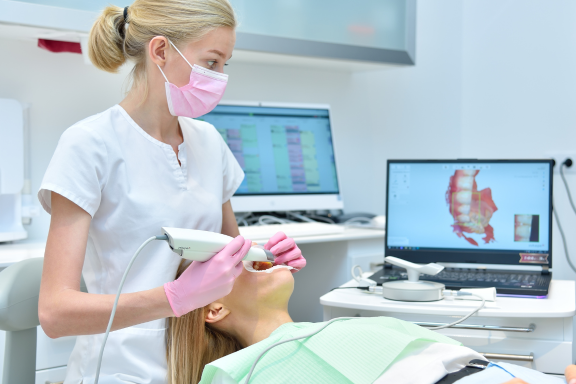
[[118, 176]]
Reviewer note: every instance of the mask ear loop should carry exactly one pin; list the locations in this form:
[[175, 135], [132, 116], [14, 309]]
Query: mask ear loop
[[162, 73], [177, 50]]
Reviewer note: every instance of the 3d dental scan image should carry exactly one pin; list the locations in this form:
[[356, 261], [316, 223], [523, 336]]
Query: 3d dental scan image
[[471, 209]]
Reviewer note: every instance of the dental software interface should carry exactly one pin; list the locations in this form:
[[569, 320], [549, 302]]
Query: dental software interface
[[281, 150], [482, 206]]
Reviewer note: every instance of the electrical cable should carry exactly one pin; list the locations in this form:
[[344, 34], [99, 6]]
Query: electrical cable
[[322, 218], [263, 218], [557, 218], [563, 236], [163, 237], [465, 317], [362, 288], [292, 339], [566, 185], [242, 218], [301, 217], [357, 220]]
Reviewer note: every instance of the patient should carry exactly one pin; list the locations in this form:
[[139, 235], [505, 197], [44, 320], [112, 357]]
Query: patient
[[218, 343]]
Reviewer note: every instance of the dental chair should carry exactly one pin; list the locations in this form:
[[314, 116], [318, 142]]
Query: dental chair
[[19, 292]]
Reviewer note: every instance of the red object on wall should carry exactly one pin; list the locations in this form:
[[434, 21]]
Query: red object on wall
[[59, 46]]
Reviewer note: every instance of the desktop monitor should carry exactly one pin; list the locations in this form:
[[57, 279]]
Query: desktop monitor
[[470, 211], [286, 152]]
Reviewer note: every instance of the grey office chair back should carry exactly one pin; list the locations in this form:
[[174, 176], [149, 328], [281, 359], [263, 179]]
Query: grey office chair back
[[19, 292]]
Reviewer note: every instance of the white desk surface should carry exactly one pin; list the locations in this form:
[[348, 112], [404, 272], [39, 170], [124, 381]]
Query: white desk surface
[[15, 252], [348, 234], [560, 303]]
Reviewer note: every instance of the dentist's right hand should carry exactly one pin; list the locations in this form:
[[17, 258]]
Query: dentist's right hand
[[203, 282]]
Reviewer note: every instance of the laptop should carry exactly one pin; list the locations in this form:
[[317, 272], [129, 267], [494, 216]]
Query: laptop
[[489, 222]]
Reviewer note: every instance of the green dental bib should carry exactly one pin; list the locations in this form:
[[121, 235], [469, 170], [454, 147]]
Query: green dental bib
[[348, 351]]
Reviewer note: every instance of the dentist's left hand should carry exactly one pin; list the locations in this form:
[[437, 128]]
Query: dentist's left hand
[[202, 283], [286, 251]]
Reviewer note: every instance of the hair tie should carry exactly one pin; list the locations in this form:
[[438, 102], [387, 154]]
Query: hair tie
[[126, 14]]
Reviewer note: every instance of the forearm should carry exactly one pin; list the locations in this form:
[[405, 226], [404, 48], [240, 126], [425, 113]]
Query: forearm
[[73, 313], [229, 225]]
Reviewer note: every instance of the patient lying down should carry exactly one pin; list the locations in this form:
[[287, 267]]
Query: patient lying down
[[218, 344]]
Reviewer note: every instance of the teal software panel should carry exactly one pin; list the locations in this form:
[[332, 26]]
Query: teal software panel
[[281, 150]]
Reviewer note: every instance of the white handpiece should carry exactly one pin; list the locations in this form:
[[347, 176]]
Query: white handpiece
[[199, 245], [414, 270]]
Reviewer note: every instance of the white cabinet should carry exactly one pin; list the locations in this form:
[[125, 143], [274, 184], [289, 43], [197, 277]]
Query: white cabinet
[[536, 333], [51, 375], [342, 34], [51, 357], [52, 353]]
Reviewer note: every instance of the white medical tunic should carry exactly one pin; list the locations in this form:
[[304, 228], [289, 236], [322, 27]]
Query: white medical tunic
[[131, 184]]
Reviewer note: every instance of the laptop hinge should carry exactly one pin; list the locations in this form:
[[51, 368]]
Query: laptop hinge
[[545, 270]]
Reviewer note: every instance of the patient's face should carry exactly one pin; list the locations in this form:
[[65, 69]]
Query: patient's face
[[252, 291]]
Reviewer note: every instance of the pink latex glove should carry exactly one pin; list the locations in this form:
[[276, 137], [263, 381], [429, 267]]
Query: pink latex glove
[[203, 282], [286, 251]]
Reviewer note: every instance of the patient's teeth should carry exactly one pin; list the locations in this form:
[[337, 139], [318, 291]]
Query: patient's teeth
[[465, 182], [464, 197], [523, 232], [463, 218], [524, 219], [464, 208]]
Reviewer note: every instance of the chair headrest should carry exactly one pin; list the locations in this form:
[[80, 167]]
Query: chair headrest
[[19, 292]]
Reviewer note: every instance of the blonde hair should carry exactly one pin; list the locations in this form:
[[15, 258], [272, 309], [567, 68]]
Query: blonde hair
[[114, 40], [191, 344]]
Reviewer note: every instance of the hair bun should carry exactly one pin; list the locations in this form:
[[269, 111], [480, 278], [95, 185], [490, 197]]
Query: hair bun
[[106, 40]]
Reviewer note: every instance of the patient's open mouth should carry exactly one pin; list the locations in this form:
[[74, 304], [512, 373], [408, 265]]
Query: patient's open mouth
[[262, 265]]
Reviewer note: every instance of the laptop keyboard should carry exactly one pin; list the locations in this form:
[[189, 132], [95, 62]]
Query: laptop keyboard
[[505, 282]]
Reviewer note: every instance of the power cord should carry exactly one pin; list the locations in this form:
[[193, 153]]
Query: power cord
[[563, 236], [459, 293], [163, 237], [567, 163]]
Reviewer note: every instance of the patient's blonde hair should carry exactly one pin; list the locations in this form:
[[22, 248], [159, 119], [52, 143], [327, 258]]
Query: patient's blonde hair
[[191, 344], [113, 41]]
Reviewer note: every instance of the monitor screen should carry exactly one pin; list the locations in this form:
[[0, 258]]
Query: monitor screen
[[281, 150], [490, 212]]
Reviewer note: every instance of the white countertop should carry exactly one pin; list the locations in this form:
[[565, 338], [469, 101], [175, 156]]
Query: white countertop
[[560, 303], [15, 252], [348, 234]]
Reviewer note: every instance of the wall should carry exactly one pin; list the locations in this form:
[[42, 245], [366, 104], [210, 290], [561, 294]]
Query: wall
[[415, 112], [493, 79], [518, 81], [63, 90]]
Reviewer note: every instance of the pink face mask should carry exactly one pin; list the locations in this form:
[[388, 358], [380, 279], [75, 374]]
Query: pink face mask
[[199, 96]]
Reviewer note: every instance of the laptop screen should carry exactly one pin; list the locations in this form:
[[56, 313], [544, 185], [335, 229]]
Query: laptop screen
[[488, 212]]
